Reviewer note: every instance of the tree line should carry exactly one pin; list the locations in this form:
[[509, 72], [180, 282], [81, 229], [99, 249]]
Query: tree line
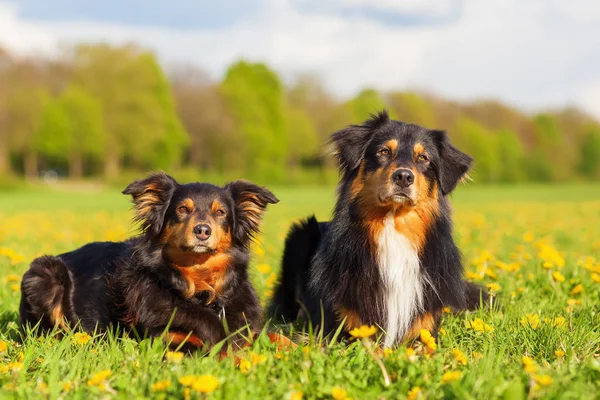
[[100, 110]]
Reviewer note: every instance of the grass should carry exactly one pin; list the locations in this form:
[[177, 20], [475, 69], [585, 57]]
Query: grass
[[537, 246]]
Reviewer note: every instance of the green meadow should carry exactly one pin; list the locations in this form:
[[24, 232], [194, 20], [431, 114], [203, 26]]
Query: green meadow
[[535, 247]]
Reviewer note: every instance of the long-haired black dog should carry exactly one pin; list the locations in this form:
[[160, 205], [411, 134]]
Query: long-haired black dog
[[387, 258], [187, 271]]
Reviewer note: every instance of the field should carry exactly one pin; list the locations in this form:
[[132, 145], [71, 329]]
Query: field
[[537, 248]]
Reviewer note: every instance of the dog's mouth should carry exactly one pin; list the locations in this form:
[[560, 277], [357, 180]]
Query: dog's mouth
[[398, 198], [197, 249]]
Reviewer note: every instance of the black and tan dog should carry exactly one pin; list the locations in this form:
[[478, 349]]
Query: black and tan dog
[[188, 270], [387, 258]]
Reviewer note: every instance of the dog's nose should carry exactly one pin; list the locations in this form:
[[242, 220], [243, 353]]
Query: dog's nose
[[202, 231], [403, 178]]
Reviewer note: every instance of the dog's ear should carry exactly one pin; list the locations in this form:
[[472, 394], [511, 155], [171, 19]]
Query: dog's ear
[[151, 197], [454, 164], [250, 203], [350, 143]]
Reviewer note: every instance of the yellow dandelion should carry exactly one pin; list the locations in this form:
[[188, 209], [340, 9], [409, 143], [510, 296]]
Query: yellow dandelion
[[15, 287], [414, 393], [187, 380], [263, 268], [67, 386], [573, 302], [543, 380], [257, 358], [479, 326], [528, 237], [338, 393], [206, 384], [459, 357], [443, 332], [532, 320], [161, 386], [15, 366], [297, 395], [547, 265], [596, 277], [528, 364], [42, 387], [558, 277], [577, 289], [559, 353], [81, 338], [387, 352], [364, 331], [99, 377], [476, 355], [3, 346], [174, 356], [428, 340], [244, 365], [450, 376], [447, 310], [493, 287], [12, 278], [271, 280], [558, 322]]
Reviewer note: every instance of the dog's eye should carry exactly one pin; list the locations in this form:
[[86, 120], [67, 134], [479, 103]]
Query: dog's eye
[[384, 152], [423, 157], [220, 212], [183, 210]]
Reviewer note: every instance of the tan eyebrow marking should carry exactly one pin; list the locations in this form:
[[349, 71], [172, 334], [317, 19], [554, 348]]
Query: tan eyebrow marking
[[393, 145], [419, 148]]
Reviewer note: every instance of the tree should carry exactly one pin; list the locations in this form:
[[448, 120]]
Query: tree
[[510, 156], [303, 140], [412, 108], [6, 65], [480, 143], [71, 127], [589, 158], [214, 142], [366, 103], [25, 108], [254, 95], [137, 106]]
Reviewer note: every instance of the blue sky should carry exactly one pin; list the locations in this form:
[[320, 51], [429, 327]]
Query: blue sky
[[534, 54]]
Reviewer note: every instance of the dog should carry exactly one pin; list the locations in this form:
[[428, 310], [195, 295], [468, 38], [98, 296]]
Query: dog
[[186, 272], [387, 257]]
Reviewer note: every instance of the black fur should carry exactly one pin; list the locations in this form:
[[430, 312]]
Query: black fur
[[331, 266], [140, 285]]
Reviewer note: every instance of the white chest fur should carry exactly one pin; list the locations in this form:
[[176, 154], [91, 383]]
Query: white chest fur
[[401, 272]]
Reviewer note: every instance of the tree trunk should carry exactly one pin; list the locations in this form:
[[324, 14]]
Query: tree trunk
[[75, 165], [31, 165], [111, 166]]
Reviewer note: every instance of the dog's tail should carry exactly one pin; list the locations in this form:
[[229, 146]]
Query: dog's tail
[[476, 296], [300, 247], [46, 294]]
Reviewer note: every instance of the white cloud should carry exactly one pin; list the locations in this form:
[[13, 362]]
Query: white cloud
[[533, 54]]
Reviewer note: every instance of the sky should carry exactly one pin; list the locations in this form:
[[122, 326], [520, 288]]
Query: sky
[[532, 54]]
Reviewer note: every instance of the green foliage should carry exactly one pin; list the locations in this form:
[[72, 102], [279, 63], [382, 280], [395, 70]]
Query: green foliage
[[412, 108], [254, 95], [510, 156], [366, 103], [303, 140], [137, 106], [475, 139], [113, 106], [589, 157]]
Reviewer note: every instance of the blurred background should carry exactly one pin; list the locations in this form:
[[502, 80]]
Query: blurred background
[[104, 92]]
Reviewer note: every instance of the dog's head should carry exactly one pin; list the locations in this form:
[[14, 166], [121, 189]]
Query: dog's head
[[389, 162], [197, 218]]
